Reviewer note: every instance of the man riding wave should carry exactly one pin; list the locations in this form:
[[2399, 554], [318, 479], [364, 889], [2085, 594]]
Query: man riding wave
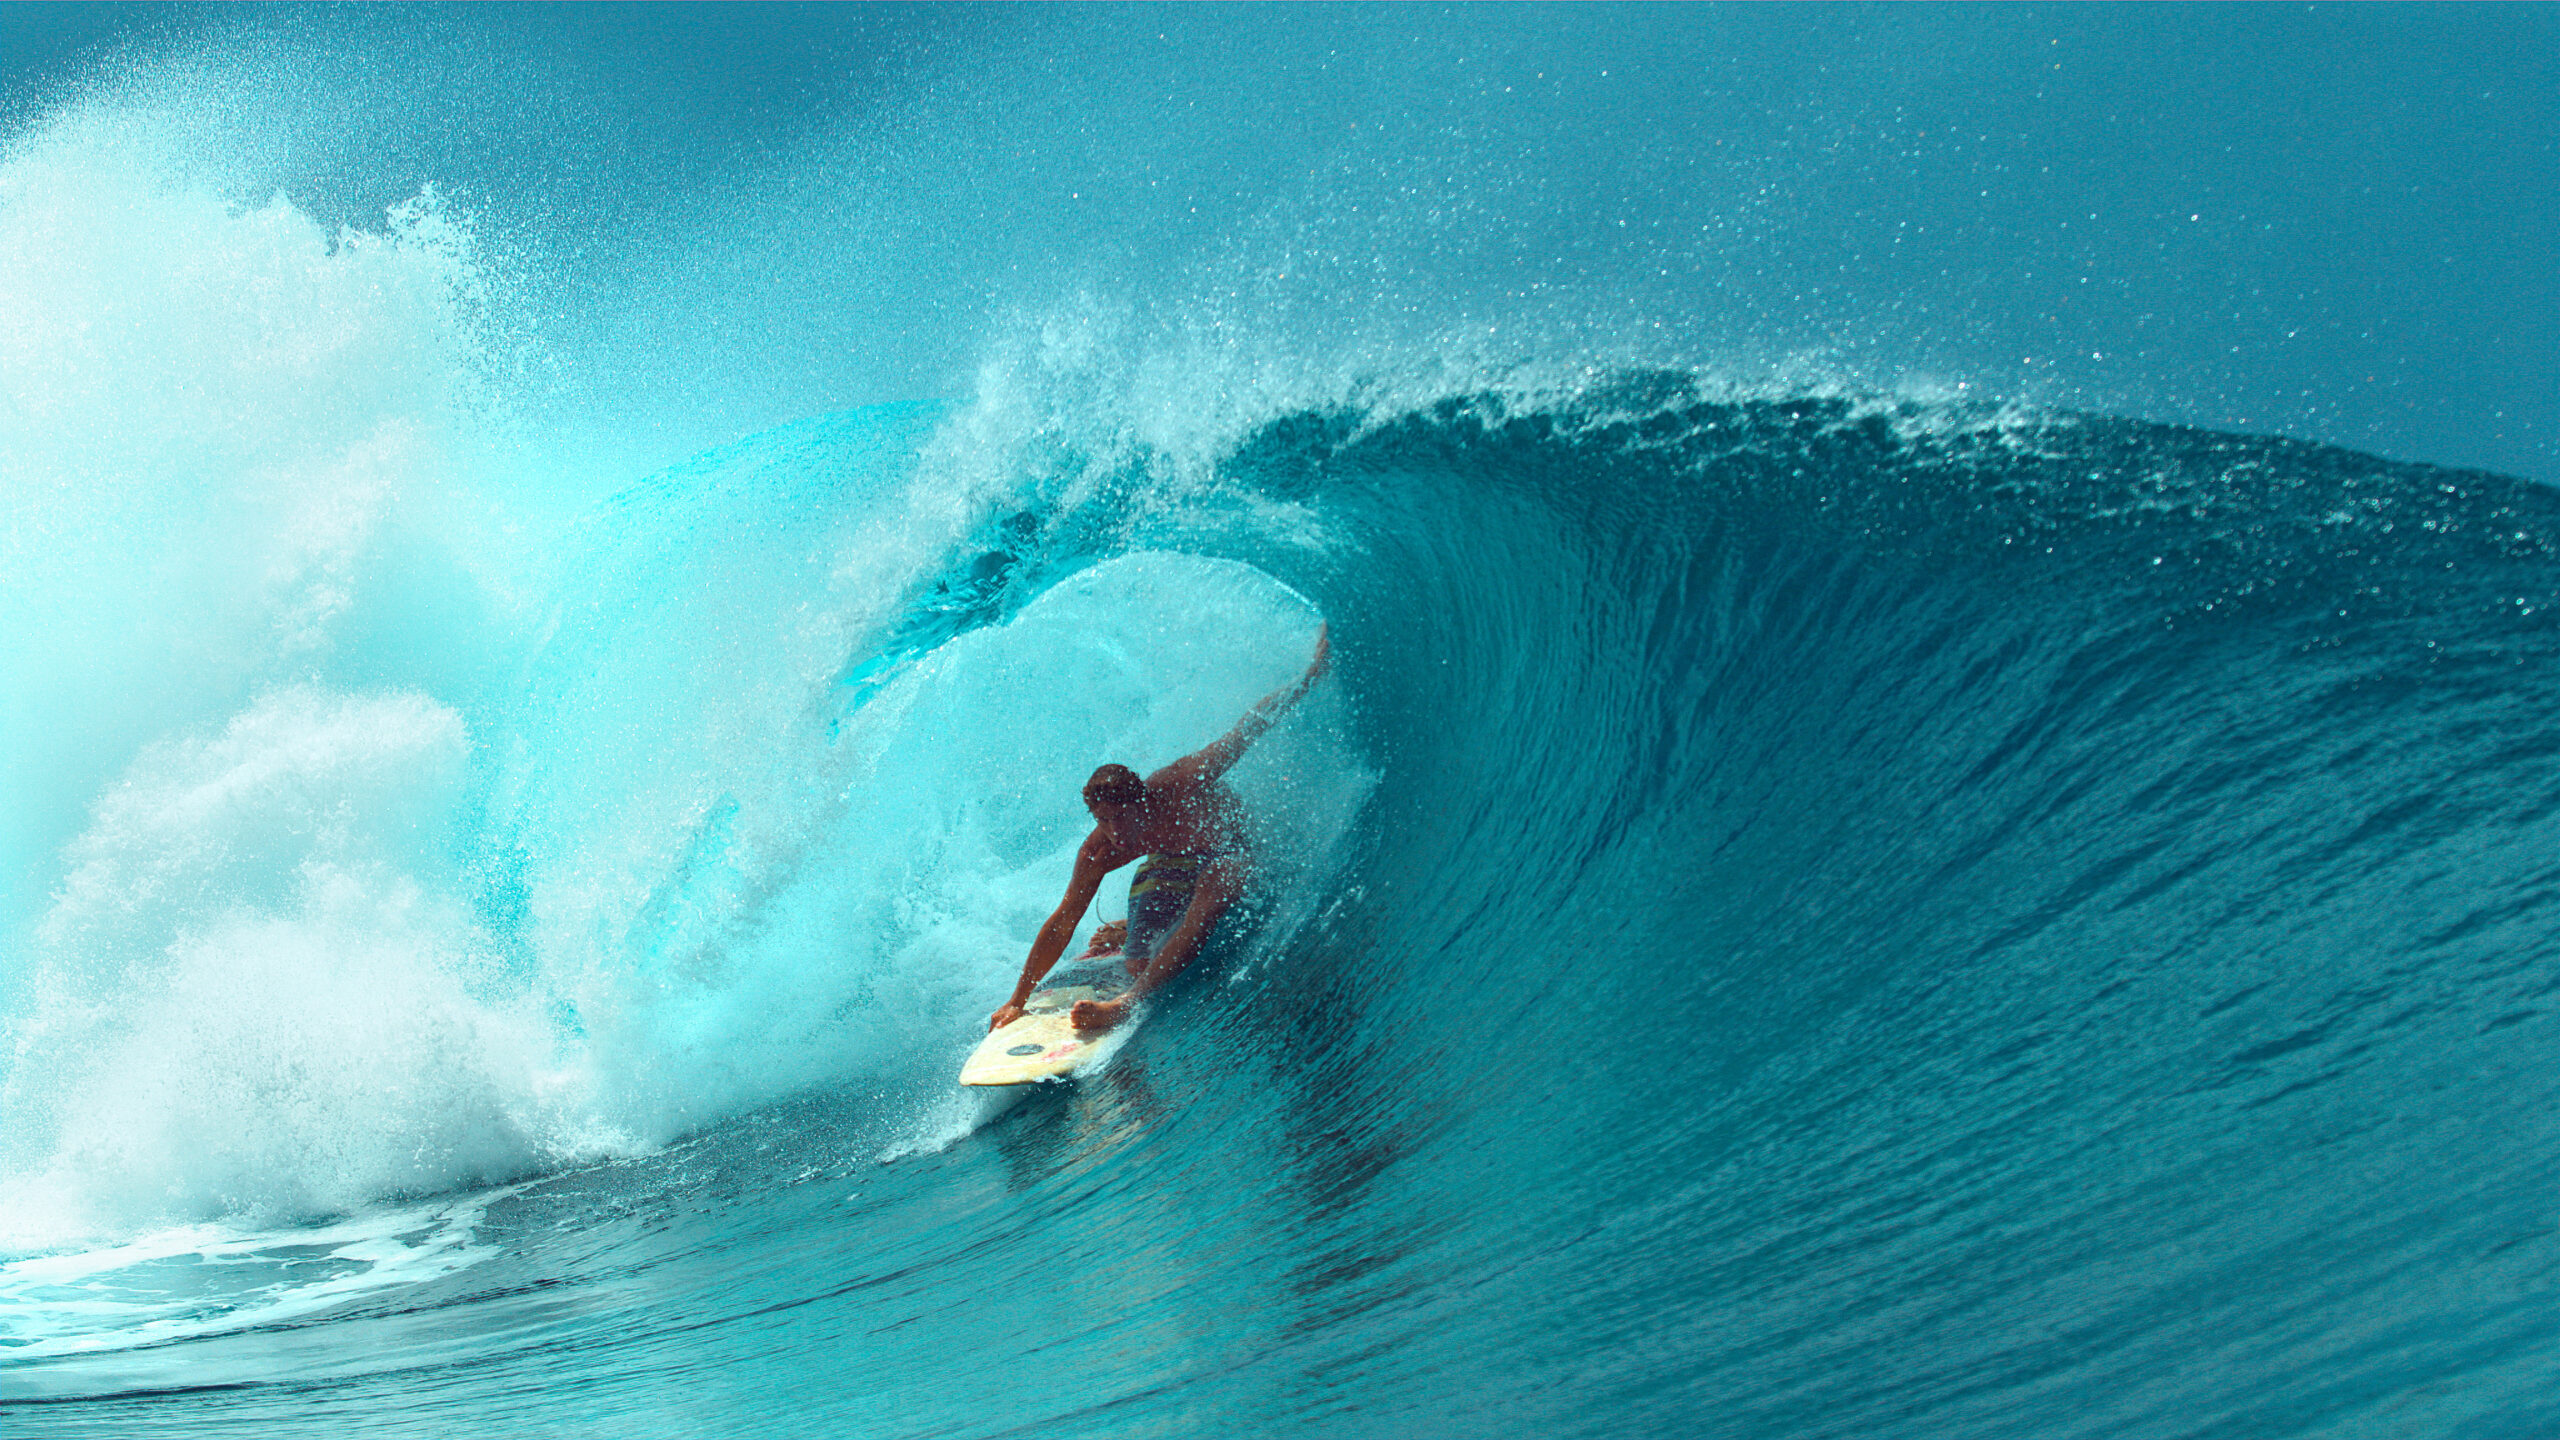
[[1189, 828]]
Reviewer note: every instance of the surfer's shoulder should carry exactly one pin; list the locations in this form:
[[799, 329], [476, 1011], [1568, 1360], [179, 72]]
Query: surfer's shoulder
[[1099, 851], [1176, 781]]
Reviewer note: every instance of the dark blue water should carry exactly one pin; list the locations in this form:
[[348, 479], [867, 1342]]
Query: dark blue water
[[1844, 883]]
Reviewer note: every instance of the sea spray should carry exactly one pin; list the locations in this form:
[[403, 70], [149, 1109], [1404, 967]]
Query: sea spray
[[260, 993], [236, 450]]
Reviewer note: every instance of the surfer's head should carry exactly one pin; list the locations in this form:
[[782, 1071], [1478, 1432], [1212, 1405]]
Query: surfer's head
[[1115, 795], [1115, 785]]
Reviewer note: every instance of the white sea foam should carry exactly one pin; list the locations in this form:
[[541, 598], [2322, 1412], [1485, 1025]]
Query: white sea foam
[[258, 994], [245, 537], [233, 444], [212, 1279]]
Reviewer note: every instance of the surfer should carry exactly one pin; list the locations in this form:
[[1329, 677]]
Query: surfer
[[1189, 829]]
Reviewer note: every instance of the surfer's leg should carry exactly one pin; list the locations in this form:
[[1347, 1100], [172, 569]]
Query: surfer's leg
[[1159, 894], [1216, 891], [1211, 898]]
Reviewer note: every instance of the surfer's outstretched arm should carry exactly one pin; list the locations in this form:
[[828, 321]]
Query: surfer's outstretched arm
[[1213, 760], [1094, 859]]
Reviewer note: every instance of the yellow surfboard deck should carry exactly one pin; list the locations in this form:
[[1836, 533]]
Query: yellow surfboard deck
[[1044, 1044]]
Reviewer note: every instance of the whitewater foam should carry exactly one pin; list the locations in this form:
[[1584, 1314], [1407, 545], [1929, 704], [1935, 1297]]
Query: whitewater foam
[[237, 450], [153, 1291], [260, 992]]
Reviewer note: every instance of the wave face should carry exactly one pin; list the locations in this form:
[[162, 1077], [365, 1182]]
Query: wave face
[[1848, 917], [1811, 905]]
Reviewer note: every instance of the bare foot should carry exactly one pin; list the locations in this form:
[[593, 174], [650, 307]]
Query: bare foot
[[1098, 1014]]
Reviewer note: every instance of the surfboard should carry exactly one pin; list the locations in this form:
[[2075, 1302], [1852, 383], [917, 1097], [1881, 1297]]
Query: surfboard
[[1044, 1044]]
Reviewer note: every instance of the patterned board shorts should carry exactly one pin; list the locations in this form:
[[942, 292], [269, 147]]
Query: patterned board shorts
[[1158, 894]]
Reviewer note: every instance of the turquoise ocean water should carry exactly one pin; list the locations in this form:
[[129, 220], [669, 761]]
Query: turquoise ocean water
[[1936, 815]]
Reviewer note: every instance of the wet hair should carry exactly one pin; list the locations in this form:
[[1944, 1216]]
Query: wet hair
[[1115, 785]]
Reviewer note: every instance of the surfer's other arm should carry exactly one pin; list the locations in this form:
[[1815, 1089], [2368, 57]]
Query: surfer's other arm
[[1095, 858], [1214, 759]]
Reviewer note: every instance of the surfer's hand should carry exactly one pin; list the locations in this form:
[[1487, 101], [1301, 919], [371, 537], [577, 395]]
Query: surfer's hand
[[1098, 1014], [1004, 1017]]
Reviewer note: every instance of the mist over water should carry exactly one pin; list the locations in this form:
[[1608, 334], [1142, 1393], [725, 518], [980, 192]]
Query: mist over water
[[562, 567]]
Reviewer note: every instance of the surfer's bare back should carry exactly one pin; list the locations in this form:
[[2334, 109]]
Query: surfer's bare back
[[1190, 829]]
